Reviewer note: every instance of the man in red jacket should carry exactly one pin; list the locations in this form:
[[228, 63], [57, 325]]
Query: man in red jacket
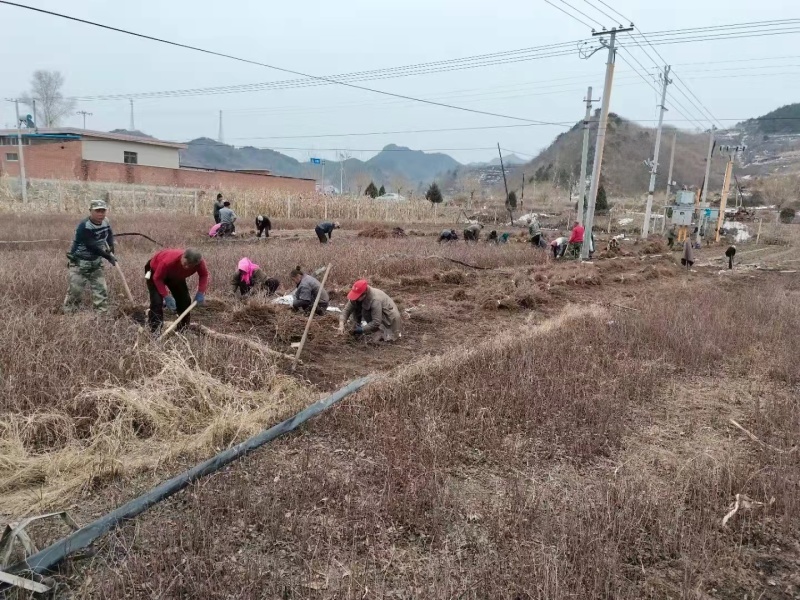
[[575, 240], [166, 274]]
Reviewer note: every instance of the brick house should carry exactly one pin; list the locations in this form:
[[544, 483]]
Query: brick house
[[83, 155]]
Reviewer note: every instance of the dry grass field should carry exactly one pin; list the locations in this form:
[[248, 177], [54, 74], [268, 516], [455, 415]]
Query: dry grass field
[[542, 430]]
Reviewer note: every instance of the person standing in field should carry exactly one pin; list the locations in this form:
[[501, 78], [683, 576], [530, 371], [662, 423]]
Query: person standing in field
[[324, 231], [166, 273], [367, 303], [306, 292], [93, 242], [218, 207], [688, 253], [671, 235], [575, 242], [730, 253], [263, 225], [250, 278]]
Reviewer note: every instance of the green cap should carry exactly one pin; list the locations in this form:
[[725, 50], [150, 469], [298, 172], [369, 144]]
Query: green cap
[[98, 205]]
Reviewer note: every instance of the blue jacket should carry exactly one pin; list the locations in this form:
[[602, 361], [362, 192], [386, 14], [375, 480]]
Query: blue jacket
[[93, 241]]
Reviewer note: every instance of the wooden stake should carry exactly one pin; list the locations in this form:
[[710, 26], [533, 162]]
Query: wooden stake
[[177, 321], [239, 340], [125, 283], [310, 318]]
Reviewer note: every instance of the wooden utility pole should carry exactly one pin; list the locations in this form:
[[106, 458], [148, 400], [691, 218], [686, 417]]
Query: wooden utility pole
[[505, 183], [654, 166], [671, 165], [584, 154], [726, 186], [601, 131], [704, 193]]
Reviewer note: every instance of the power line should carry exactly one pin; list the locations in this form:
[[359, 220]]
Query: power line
[[624, 18], [584, 23], [602, 12], [580, 12], [261, 64]]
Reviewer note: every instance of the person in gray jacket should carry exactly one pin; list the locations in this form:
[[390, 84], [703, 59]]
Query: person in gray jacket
[[366, 303], [306, 292]]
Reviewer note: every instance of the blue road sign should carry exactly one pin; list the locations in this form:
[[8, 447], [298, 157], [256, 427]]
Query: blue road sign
[[316, 161]]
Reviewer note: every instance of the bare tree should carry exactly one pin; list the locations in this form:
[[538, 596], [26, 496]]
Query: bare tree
[[50, 102], [362, 180], [399, 183]]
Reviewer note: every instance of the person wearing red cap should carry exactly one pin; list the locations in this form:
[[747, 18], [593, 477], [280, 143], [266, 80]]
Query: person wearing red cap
[[366, 303]]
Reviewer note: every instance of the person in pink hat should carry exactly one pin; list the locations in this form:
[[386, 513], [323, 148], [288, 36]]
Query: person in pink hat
[[367, 304]]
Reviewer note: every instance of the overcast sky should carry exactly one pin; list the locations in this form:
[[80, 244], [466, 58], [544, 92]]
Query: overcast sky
[[325, 38]]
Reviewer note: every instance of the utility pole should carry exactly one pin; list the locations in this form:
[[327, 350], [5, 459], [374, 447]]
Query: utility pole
[[341, 175], [323, 175], [584, 154], [705, 181], [132, 127], [505, 183], [726, 185], [35, 117], [654, 166], [23, 183], [671, 164], [601, 132], [220, 137], [85, 114]]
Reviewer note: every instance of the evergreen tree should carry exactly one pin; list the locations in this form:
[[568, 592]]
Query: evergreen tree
[[371, 190], [602, 201], [434, 194], [381, 191]]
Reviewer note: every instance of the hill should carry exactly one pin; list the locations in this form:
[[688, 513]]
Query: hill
[[395, 166], [628, 145], [783, 120]]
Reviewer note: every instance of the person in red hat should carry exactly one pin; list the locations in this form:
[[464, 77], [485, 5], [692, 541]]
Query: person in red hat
[[376, 308]]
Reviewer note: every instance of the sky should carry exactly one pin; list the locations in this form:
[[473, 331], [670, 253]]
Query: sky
[[731, 79]]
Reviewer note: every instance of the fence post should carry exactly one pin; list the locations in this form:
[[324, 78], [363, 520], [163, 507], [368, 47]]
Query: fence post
[[194, 207], [758, 235], [133, 200], [358, 210], [288, 207]]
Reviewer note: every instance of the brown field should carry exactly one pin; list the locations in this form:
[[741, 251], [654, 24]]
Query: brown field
[[542, 430]]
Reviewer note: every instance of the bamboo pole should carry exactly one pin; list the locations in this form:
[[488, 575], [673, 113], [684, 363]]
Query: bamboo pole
[[311, 317], [177, 321], [124, 283]]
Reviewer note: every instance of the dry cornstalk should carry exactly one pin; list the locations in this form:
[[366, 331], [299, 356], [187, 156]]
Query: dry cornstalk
[[240, 340]]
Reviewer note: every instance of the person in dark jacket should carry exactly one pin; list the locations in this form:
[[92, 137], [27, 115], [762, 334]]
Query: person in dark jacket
[[93, 242], [217, 207], [250, 278], [448, 235], [730, 253], [263, 225], [306, 292], [473, 232], [227, 220], [324, 231], [166, 273]]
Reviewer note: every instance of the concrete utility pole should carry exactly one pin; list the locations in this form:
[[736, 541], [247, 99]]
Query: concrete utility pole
[[132, 127], [35, 117], [671, 164], [601, 133], [23, 183], [726, 186], [584, 154], [654, 166], [220, 137], [85, 114], [705, 181]]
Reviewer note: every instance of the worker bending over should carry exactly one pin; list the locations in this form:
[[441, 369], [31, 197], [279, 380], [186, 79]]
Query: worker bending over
[[535, 232], [366, 303], [250, 278], [448, 235], [263, 225], [559, 246], [472, 233], [306, 292], [93, 242], [324, 231], [166, 273], [730, 253]]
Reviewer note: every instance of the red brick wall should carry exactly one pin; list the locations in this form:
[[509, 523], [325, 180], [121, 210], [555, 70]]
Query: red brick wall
[[190, 178], [44, 161], [63, 161]]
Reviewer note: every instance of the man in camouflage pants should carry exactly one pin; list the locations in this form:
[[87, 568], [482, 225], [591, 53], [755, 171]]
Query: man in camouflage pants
[[94, 241]]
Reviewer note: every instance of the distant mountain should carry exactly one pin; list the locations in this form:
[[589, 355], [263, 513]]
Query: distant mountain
[[510, 160], [394, 164], [783, 120]]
